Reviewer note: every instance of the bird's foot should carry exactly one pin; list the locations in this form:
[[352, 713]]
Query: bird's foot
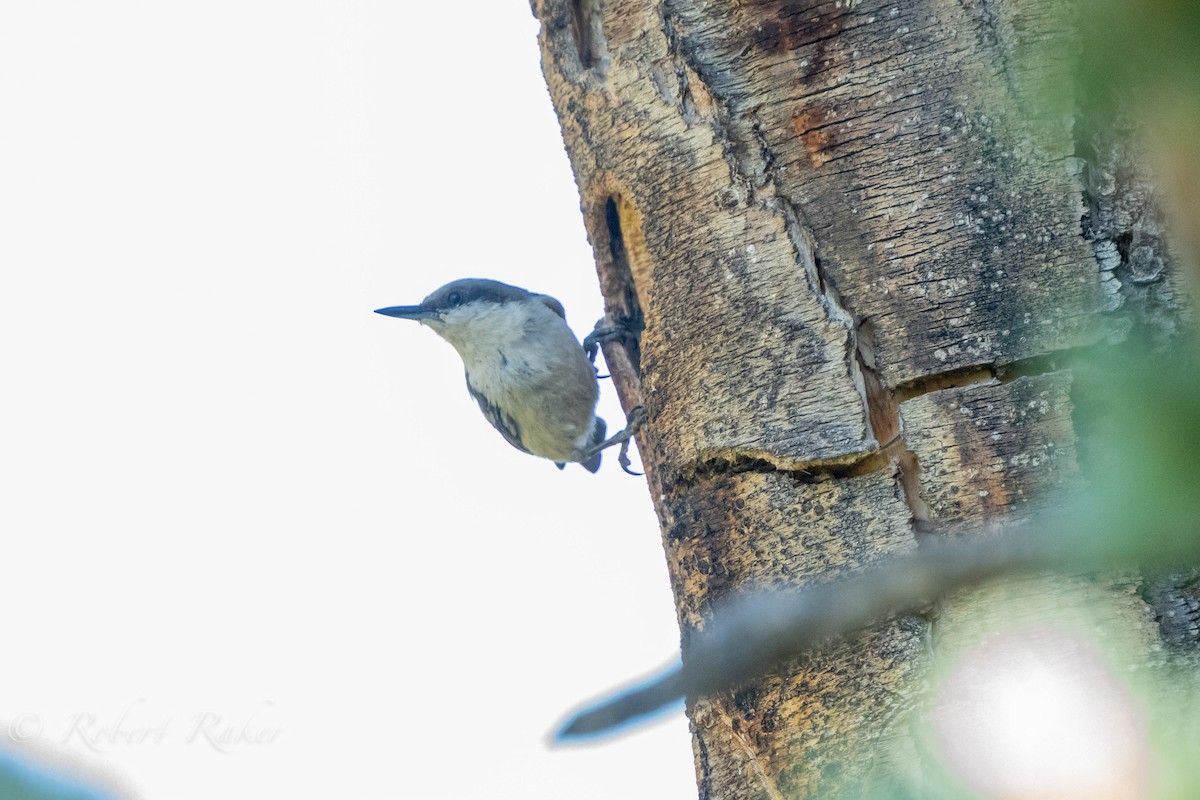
[[605, 333], [633, 423]]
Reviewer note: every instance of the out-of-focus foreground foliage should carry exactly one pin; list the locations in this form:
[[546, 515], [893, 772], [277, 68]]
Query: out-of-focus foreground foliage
[[20, 780], [1142, 59]]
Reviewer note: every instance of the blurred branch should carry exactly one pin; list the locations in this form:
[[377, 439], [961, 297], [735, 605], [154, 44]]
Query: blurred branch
[[754, 632]]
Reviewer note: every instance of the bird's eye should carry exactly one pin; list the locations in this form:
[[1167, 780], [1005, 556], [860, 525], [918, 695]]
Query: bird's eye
[[454, 299]]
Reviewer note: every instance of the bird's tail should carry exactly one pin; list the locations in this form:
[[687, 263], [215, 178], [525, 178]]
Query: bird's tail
[[598, 431]]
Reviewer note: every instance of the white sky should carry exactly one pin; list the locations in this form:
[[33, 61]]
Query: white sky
[[236, 501]]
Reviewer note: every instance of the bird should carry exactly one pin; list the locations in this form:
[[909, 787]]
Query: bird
[[532, 379]]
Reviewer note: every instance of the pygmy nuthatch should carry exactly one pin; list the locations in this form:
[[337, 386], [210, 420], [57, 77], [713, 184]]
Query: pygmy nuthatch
[[531, 377]]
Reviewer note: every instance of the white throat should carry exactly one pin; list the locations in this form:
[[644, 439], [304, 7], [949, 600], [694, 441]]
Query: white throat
[[481, 331]]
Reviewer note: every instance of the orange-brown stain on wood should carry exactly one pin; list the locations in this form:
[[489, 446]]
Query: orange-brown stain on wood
[[811, 127]]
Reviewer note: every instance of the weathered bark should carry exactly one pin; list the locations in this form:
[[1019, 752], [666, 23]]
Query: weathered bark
[[859, 258]]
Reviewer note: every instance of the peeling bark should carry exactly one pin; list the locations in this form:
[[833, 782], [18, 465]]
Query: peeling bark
[[858, 258]]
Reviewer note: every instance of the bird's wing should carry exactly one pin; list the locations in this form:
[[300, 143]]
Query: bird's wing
[[552, 304], [500, 421], [598, 431]]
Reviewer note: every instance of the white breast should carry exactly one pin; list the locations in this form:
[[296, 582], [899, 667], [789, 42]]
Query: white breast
[[524, 359]]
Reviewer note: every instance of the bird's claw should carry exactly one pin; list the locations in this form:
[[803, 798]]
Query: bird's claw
[[633, 423], [591, 344], [623, 460], [605, 333], [599, 335]]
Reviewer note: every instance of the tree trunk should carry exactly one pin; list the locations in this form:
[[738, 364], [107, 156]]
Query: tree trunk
[[859, 260]]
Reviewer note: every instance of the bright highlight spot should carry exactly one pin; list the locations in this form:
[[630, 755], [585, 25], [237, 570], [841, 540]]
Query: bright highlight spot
[[1040, 714]]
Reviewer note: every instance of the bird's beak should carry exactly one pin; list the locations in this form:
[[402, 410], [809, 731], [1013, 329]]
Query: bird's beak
[[408, 312]]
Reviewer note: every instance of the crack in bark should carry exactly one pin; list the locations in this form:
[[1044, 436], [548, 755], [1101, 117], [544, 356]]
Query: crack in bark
[[1001, 373], [703, 769], [685, 64], [817, 470], [883, 408], [687, 103], [582, 30], [587, 29], [894, 450], [908, 478], [883, 413], [951, 379], [764, 777]]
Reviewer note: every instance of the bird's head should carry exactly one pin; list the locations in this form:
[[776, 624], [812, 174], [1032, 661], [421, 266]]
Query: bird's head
[[476, 308]]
